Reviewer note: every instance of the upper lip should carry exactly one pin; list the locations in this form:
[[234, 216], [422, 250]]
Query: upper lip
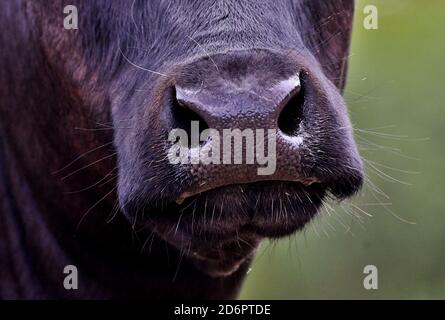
[[207, 187]]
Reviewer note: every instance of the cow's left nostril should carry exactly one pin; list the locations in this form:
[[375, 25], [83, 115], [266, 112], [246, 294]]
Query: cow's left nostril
[[291, 116], [183, 115]]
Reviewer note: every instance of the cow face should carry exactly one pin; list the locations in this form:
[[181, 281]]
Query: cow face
[[202, 67]]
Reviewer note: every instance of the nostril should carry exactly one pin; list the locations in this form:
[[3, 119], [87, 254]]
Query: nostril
[[183, 115], [291, 116]]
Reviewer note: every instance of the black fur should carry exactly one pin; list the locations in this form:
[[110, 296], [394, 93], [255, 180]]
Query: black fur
[[65, 93]]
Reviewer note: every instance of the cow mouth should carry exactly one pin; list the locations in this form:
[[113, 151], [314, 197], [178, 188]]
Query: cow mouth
[[218, 241], [209, 187]]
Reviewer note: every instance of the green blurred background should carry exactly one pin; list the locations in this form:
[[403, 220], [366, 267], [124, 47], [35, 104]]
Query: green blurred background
[[396, 94]]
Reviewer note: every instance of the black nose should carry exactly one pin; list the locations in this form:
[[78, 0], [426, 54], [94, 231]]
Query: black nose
[[260, 117], [244, 104]]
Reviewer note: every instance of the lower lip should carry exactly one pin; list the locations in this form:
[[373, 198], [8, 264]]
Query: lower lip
[[223, 266], [218, 269], [212, 262], [305, 182]]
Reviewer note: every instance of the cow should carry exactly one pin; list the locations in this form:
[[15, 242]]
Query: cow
[[85, 119]]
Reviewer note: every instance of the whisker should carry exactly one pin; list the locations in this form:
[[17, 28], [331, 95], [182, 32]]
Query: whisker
[[384, 175], [139, 67], [204, 50], [81, 156], [92, 207], [89, 165], [95, 184]]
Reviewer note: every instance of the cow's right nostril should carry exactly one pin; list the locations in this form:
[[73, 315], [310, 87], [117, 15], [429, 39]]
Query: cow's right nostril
[[291, 116], [183, 115]]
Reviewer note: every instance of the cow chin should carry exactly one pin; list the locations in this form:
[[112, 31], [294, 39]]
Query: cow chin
[[220, 229]]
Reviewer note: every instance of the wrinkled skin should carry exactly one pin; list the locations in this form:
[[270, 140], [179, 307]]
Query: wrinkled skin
[[114, 212]]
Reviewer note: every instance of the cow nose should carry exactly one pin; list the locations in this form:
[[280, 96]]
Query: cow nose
[[253, 125], [242, 105], [246, 122]]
